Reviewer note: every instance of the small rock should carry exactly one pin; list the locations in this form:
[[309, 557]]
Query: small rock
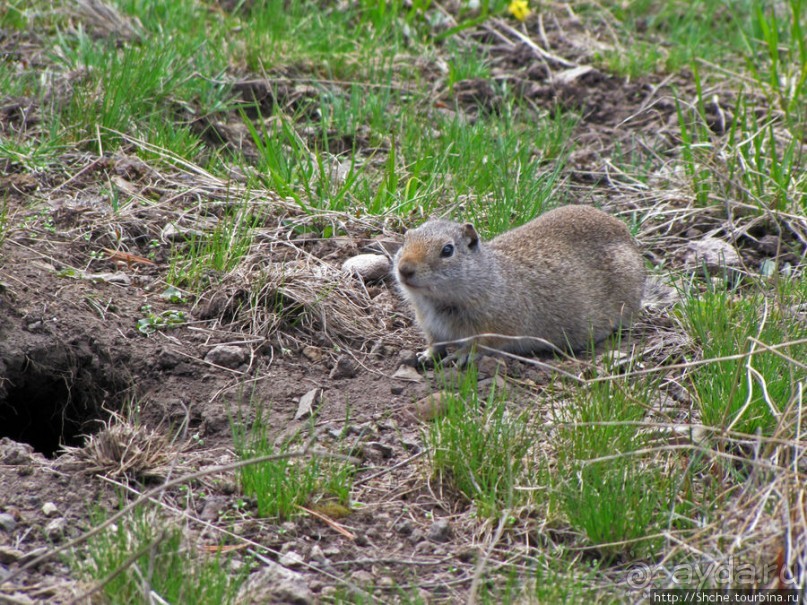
[[49, 509], [212, 508], [396, 389], [227, 356], [361, 540], [404, 527], [769, 245], [440, 531], [314, 354], [176, 233], [384, 449], [9, 555], [362, 577], [308, 403], [407, 357], [489, 366], [712, 253], [369, 267], [381, 350], [468, 554], [7, 522], [291, 559], [318, 556], [408, 373], [14, 453], [110, 278], [568, 77], [424, 548], [432, 407], [54, 530], [411, 445], [275, 584], [495, 381], [386, 582], [345, 367]]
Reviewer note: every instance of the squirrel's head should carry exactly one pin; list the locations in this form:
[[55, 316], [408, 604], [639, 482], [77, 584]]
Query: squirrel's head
[[434, 254]]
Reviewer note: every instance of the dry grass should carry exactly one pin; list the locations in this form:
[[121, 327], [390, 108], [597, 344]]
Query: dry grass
[[125, 450]]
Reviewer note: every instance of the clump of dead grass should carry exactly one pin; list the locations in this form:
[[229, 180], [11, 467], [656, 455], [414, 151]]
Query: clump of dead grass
[[123, 449]]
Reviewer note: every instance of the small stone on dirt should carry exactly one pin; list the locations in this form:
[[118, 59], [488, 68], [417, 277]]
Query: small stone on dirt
[[275, 584], [431, 407], [769, 244], [404, 527], [345, 367], [369, 267], [314, 354], [495, 381], [54, 530], [491, 366], [9, 555], [382, 448], [49, 509], [7, 522], [174, 233], [308, 403], [440, 531], [227, 356], [14, 453], [212, 508], [408, 373], [110, 278], [407, 357], [291, 559], [362, 577], [318, 556], [711, 252]]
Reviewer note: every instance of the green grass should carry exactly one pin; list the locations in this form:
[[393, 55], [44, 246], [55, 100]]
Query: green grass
[[365, 116], [757, 161], [479, 447], [280, 487], [197, 263], [514, 165], [622, 503], [746, 395], [654, 36], [145, 557]]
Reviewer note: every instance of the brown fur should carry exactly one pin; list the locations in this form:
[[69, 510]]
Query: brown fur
[[566, 277]]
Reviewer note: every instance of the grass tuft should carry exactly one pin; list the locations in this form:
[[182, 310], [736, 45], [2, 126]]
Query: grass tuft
[[148, 558], [280, 487], [479, 447]]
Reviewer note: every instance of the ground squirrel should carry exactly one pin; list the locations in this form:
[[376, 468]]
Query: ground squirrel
[[569, 275]]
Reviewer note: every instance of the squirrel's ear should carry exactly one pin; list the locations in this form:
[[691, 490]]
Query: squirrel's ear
[[470, 235]]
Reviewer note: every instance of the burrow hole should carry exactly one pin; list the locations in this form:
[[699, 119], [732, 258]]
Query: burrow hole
[[55, 396]]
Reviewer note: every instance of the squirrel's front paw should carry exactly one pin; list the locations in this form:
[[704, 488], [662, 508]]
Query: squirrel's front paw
[[426, 358]]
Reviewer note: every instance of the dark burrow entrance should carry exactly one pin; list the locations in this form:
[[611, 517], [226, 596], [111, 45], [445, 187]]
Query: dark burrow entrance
[[55, 393]]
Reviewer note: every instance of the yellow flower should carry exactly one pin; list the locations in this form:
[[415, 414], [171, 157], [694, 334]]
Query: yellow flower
[[519, 9]]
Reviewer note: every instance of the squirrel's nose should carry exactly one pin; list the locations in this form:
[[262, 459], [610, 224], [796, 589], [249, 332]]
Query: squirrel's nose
[[406, 270]]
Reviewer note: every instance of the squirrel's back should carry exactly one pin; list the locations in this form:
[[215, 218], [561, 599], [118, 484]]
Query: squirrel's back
[[566, 277]]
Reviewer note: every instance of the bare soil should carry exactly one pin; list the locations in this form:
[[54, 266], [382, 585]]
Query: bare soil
[[71, 354]]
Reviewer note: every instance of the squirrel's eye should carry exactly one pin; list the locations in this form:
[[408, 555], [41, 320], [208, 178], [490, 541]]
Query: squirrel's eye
[[447, 250]]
